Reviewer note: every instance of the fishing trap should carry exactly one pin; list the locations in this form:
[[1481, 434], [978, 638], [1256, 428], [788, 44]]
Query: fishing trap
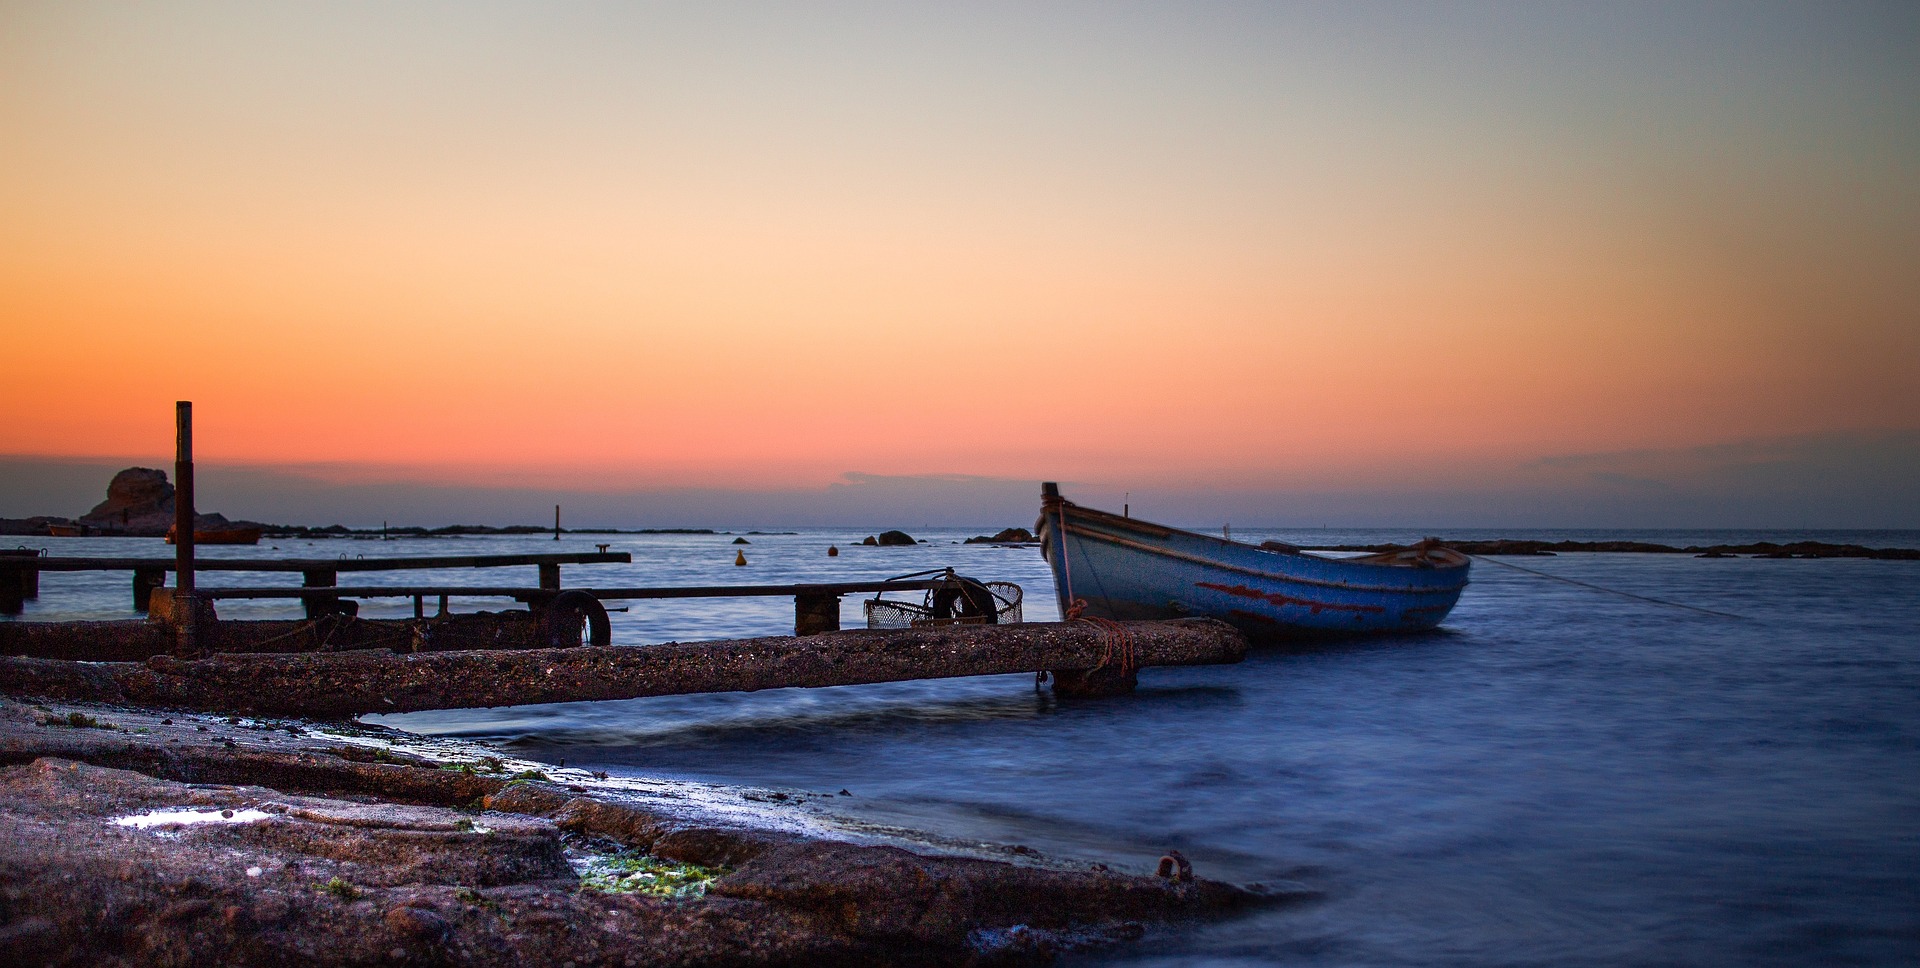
[[957, 600]]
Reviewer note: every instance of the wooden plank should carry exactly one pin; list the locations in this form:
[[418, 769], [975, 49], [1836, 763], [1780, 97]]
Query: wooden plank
[[333, 564], [522, 593]]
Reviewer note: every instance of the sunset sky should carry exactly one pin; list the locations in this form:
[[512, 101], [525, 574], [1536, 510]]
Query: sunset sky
[[1383, 263]]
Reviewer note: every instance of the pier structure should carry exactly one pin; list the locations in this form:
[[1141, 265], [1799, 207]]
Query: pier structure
[[20, 573], [816, 607], [334, 664]]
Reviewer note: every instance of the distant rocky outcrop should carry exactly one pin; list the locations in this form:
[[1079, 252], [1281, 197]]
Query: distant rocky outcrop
[[891, 539], [1008, 536], [1759, 549], [140, 503]]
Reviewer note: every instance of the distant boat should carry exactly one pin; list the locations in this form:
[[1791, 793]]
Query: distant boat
[[1118, 567], [68, 530], [220, 536]]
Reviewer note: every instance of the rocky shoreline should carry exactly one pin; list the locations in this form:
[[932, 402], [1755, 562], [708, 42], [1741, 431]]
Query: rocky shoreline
[[303, 843], [1759, 549]]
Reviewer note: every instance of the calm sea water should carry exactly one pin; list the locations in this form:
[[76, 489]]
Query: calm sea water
[[1558, 777]]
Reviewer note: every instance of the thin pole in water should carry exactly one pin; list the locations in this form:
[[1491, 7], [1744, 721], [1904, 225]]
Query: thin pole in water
[[556, 522], [184, 612]]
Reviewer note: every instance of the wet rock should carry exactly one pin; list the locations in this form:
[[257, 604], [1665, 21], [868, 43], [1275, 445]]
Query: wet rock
[[894, 539], [716, 847], [414, 922], [333, 861], [906, 900]]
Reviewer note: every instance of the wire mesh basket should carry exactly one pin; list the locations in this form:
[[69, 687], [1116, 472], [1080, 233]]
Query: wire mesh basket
[[962, 601]]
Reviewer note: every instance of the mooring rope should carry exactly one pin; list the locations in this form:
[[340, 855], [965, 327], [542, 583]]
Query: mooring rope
[[1610, 591], [1115, 640], [312, 625], [306, 626]]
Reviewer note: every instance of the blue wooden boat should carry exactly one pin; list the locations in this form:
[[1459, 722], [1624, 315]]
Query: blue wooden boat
[[1110, 566]]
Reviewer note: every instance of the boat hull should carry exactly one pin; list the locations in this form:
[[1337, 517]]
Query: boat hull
[[1123, 568]]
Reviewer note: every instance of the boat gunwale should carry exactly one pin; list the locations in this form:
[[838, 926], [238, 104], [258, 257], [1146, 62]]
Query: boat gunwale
[[1098, 535]]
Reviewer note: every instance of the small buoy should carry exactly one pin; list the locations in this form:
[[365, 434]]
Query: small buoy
[[833, 551], [739, 557]]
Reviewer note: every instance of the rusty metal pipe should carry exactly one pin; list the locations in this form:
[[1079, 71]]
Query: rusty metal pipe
[[340, 684]]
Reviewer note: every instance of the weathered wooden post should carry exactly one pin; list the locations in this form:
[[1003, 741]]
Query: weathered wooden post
[[185, 613], [815, 612], [556, 522], [19, 579], [23, 560], [145, 580], [318, 605], [550, 574]]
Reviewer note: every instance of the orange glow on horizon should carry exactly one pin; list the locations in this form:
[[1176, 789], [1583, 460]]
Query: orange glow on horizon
[[731, 295]]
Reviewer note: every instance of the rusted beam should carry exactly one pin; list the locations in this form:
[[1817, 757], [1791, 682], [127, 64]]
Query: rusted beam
[[342, 684]]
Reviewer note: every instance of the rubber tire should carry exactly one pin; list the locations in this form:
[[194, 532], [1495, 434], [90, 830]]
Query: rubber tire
[[563, 620], [974, 600]]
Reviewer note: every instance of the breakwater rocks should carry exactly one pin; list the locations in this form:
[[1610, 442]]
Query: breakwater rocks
[[1005, 536], [140, 837], [1761, 549]]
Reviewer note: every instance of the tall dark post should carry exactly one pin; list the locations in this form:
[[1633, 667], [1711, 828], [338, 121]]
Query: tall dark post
[[184, 606], [556, 522]]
